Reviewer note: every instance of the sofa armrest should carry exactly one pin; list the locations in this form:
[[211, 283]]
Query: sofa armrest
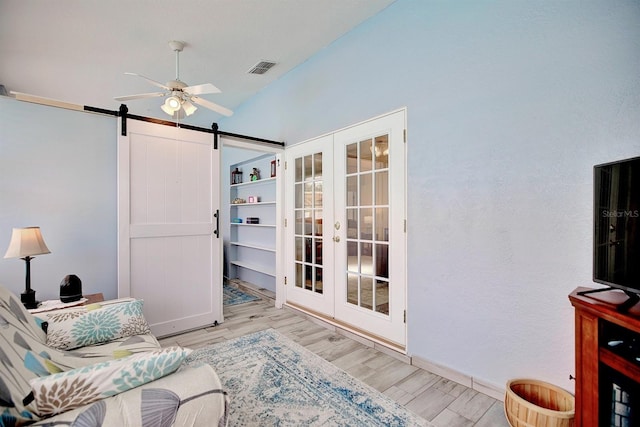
[[67, 390], [192, 396]]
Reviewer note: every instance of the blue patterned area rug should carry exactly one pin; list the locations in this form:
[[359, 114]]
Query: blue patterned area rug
[[273, 381], [233, 296]]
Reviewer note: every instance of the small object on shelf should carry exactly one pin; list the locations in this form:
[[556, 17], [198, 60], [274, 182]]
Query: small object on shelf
[[253, 199], [236, 176], [253, 220], [238, 201], [255, 175], [273, 168], [236, 220]]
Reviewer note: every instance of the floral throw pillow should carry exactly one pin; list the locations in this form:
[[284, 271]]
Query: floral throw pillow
[[69, 329], [68, 390]]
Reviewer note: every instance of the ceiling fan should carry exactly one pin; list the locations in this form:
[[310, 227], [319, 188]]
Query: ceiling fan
[[179, 95]]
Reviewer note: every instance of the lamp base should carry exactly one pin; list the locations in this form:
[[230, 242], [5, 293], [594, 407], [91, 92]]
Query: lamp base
[[28, 299]]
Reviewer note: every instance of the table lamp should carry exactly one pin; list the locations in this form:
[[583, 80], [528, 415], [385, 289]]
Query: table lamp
[[25, 243]]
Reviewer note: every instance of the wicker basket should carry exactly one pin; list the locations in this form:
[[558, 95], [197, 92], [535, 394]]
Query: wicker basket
[[532, 403]]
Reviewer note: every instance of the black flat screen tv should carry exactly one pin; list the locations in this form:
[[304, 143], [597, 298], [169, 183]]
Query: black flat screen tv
[[616, 240]]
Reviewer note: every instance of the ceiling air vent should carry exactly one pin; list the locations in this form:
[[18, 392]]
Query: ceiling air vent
[[261, 67]]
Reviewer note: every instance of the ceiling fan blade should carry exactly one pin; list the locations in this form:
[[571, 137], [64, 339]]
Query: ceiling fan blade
[[212, 106], [201, 89], [153, 82], [139, 96]]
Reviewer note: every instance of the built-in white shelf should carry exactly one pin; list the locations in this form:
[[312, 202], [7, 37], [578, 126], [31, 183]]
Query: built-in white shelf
[[252, 204], [258, 182], [248, 245], [242, 224], [259, 268], [252, 247]]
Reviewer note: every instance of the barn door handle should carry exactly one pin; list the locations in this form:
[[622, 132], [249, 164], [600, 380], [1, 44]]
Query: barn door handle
[[216, 215]]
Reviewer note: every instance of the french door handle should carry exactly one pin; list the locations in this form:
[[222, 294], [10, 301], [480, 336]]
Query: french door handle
[[216, 215], [336, 239]]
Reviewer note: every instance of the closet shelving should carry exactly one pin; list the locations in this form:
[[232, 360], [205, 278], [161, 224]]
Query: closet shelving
[[252, 247]]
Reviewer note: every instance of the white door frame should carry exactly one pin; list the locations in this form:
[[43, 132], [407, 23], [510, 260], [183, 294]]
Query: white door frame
[[239, 142]]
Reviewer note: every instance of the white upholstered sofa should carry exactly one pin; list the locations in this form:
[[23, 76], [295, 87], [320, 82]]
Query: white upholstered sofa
[[98, 366]]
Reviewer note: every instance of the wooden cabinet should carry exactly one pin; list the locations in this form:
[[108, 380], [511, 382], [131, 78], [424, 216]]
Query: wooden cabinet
[[607, 355]]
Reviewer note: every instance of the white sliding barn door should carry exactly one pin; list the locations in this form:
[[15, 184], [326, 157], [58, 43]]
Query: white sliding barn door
[[168, 252]]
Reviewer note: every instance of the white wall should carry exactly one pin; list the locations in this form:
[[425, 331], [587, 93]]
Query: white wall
[[510, 105], [57, 171]]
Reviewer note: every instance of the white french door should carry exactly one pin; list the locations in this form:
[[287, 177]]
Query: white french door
[[346, 201], [309, 241], [168, 253]]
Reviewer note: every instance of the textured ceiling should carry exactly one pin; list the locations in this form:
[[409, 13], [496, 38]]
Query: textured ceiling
[[78, 50]]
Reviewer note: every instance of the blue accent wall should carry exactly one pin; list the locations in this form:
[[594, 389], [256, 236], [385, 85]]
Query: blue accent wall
[[510, 104], [58, 171]]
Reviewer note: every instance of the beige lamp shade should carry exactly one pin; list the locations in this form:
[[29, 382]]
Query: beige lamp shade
[[26, 242]]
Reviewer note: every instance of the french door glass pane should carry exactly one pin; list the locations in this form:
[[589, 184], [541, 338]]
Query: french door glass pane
[[366, 223], [352, 190], [382, 224], [367, 213], [317, 192], [352, 158], [382, 296], [366, 189], [366, 155], [352, 289], [298, 248], [298, 169], [299, 222], [381, 150], [382, 183], [299, 275], [366, 292], [352, 223], [308, 170], [299, 195], [352, 254], [308, 222], [317, 165]]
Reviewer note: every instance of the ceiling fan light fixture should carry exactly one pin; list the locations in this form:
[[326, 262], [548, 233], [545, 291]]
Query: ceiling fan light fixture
[[171, 105], [173, 102], [188, 107], [181, 97], [167, 110]]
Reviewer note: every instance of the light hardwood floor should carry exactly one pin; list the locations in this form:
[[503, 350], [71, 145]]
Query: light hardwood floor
[[441, 401]]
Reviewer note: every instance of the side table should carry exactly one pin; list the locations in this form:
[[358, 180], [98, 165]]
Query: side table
[[90, 299], [93, 298]]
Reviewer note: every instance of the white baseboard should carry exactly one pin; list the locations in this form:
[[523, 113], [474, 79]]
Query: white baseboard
[[466, 380], [444, 371]]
